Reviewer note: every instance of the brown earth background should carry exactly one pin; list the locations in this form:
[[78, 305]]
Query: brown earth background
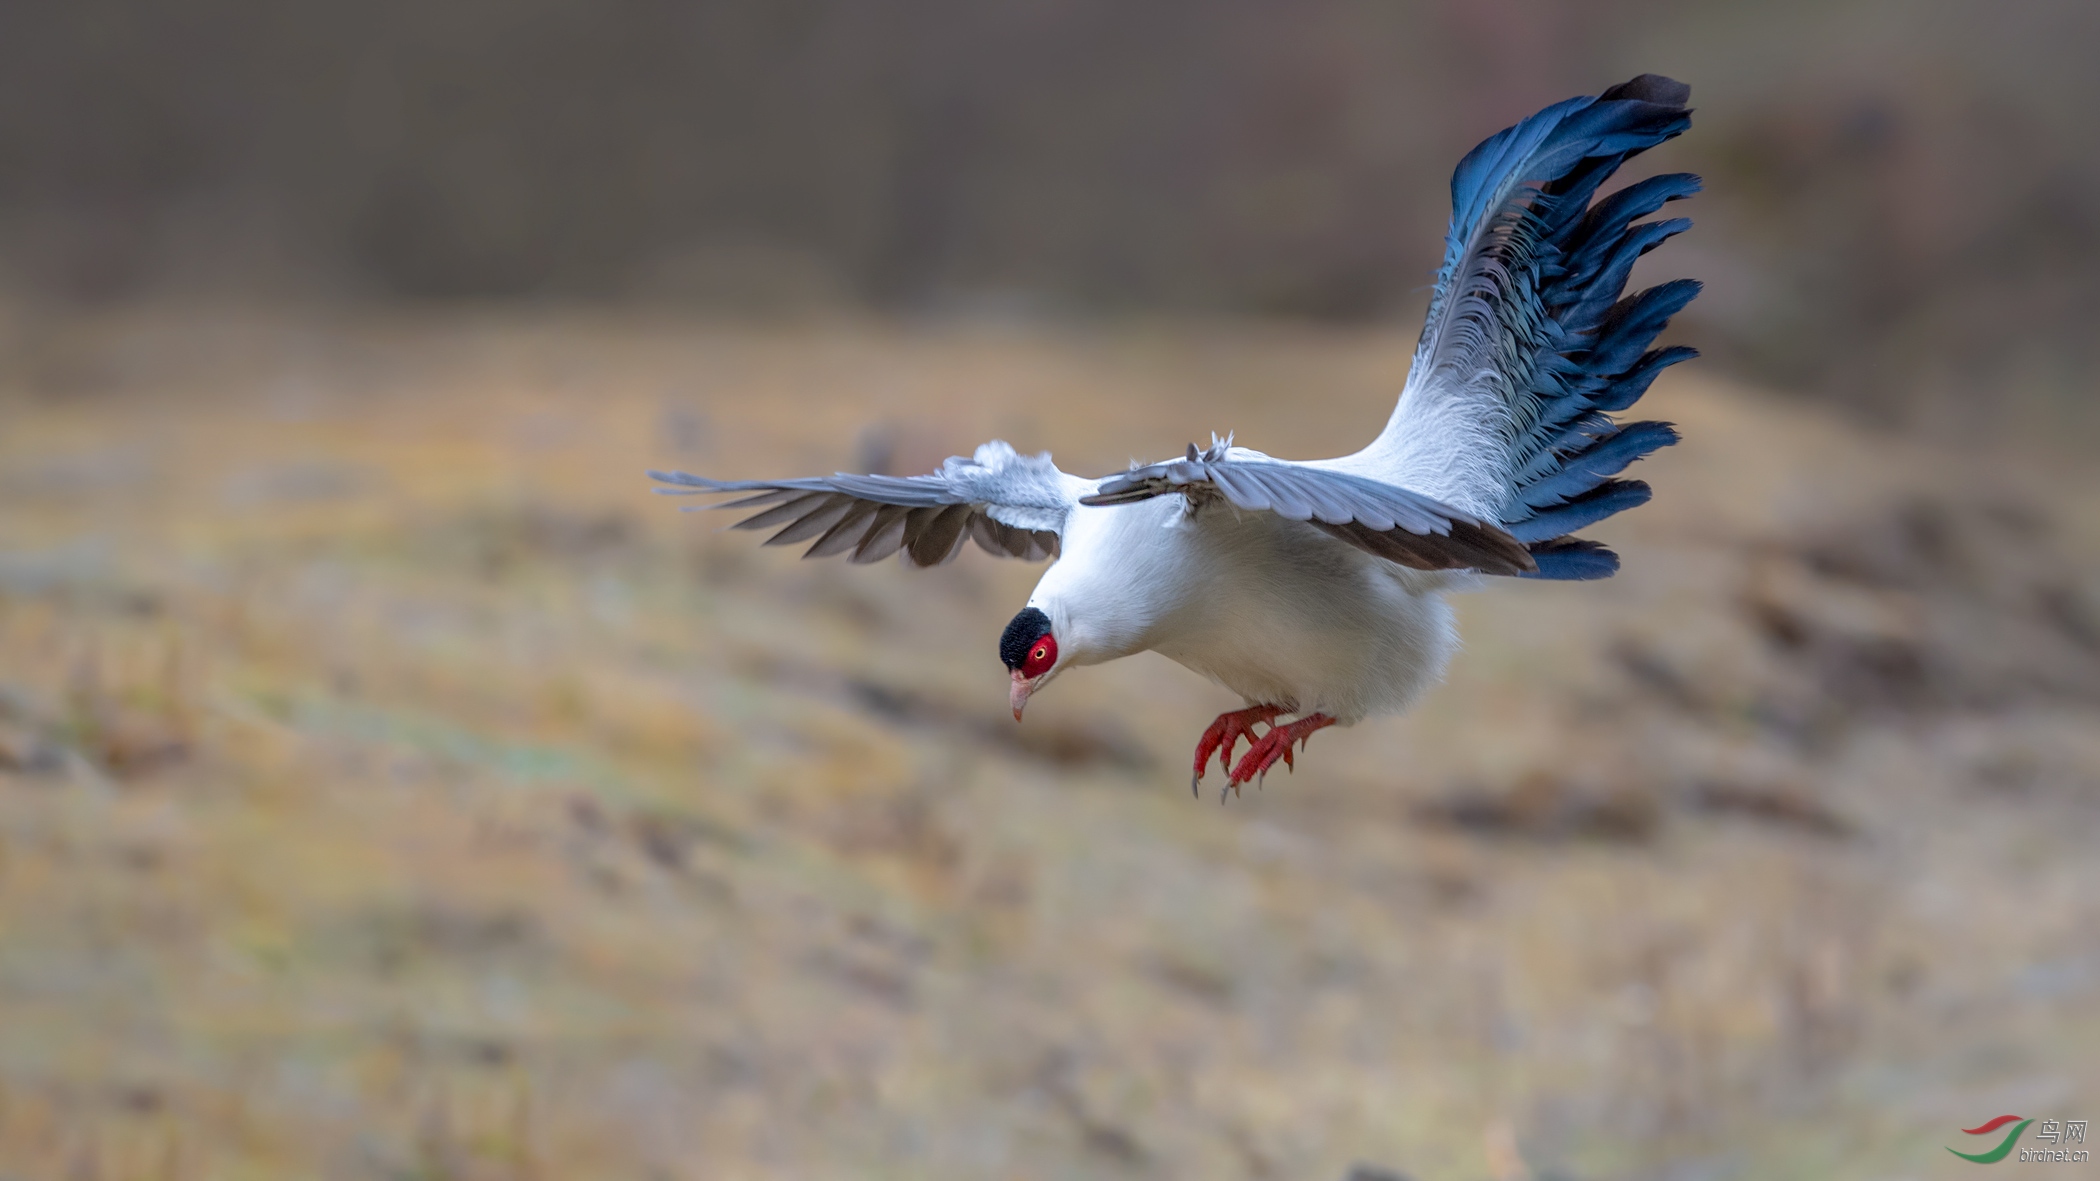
[[392, 787]]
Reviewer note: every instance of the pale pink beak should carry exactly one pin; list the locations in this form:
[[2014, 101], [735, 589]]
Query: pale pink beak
[[1023, 686]]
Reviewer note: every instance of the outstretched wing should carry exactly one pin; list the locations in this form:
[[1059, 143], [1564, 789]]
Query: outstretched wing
[[1395, 524], [1528, 346], [1012, 505]]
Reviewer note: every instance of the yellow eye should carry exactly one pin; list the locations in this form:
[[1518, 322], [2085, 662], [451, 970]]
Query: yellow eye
[[1041, 653]]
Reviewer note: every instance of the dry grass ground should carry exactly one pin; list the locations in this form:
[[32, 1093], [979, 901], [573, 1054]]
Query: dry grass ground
[[391, 787]]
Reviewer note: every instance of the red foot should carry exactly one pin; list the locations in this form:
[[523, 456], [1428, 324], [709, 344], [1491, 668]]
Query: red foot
[[1225, 733], [1274, 745]]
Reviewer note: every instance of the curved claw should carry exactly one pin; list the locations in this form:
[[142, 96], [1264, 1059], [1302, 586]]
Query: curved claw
[[1224, 734], [1277, 744]]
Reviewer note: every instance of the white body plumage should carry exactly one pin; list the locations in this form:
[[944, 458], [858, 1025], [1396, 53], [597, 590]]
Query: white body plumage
[[1274, 610]]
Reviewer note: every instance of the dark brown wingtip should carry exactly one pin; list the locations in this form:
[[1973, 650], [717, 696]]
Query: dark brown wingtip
[[1501, 553], [1650, 88], [1468, 546]]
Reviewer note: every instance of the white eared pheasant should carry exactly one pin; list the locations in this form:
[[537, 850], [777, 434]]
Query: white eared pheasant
[[1314, 589]]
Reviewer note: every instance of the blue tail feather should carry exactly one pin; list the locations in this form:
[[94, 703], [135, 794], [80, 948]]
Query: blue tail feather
[[1580, 512], [1632, 324], [1608, 278], [1572, 559], [1599, 461], [1628, 389], [1614, 213]]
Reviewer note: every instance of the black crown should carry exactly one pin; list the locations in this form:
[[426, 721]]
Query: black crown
[[1028, 627]]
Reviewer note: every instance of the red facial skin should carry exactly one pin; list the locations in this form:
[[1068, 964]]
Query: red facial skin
[[1041, 656]]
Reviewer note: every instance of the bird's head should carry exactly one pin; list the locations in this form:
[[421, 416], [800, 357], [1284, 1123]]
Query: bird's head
[[1028, 649]]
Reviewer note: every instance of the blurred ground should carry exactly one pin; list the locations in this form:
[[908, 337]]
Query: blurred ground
[[391, 787]]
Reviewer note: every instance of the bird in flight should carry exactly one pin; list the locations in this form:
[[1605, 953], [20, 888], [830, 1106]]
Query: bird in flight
[[1314, 588]]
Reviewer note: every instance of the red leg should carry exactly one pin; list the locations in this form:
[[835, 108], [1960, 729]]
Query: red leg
[[1225, 733], [1274, 745]]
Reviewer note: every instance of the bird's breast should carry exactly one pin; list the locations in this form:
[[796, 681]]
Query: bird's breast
[[1275, 610]]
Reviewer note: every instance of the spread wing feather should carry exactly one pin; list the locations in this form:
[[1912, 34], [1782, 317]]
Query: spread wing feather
[[1400, 526], [1009, 504], [1529, 346]]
